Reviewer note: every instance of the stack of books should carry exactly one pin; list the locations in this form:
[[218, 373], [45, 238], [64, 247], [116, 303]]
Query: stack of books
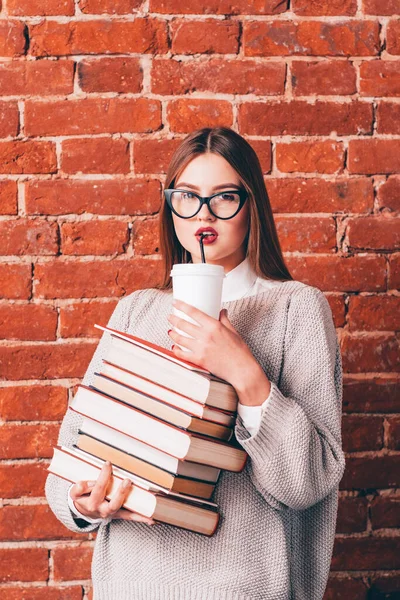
[[164, 423]]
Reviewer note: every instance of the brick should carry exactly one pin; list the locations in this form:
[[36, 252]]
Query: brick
[[75, 279], [99, 155], [320, 195], [28, 322], [378, 352], [72, 564], [381, 7], [98, 36], [115, 74], [44, 361], [352, 515], [208, 36], [12, 38], [388, 194], [145, 238], [94, 237], [385, 512], [219, 7], [217, 75], [18, 480], [118, 7], [9, 118], [310, 157], [92, 116], [306, 234], [374, 156], [23, 564], [324, 7], [263, 150], [302, 118], [394, 272], [27, 157], [366, 473], [28, 441], [340, 274], [153, 155], [393, 433], [362, 433], [43, 8], [380, 78], [32, 522], [311, 38], [42, 593], [388, 116], [375, 395], [384, 585], [186, 115], [78, 319], [37, 77], [109, 197], [28, 236], [15, 281], [328, 77], [8, 197], [345, 588], [365, 553], [337, 305], [373, 233], [374, 313], [33, 403], [393, 37]]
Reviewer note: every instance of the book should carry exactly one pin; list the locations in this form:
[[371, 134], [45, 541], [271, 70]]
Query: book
[[161, 366], [145, 471], [137, 382], [159, 409], [180, 443], [196, 515], [148, 454]]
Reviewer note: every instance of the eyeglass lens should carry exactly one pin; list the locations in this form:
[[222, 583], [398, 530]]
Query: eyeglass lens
[[187, 204]]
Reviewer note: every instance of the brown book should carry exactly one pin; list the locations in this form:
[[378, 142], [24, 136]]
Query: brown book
[[141, 384], [149, 454], [159, 409], [146, 471], [159, 434], [199, 516], [161, 366]]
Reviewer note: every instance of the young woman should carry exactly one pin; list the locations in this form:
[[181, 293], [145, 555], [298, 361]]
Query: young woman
[[275, 342]]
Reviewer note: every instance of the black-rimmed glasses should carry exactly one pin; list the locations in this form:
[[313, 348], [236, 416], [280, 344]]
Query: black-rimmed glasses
[[223, 205]]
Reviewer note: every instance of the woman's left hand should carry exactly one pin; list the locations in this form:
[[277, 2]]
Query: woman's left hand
[[216, 345]]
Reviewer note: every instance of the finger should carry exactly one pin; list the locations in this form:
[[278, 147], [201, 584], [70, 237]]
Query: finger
[[80, 488], [128, 515], [198, 315], [120, 495], [184, 325], [99, 489], [186, 342]]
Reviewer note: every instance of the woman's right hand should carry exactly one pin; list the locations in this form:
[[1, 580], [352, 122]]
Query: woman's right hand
[[89, 498]]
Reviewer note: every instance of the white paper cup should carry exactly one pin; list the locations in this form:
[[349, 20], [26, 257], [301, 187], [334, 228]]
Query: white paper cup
[[200, 285]]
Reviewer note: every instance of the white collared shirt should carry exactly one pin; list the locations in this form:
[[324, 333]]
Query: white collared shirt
[[238, 283]]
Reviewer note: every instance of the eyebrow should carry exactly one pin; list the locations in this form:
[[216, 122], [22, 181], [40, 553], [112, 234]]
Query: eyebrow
[[216, 187]]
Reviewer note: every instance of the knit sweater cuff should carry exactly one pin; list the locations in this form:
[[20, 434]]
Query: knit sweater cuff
[[275, 422]]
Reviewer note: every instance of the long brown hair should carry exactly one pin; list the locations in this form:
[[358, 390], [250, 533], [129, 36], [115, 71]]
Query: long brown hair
[[262, 244]]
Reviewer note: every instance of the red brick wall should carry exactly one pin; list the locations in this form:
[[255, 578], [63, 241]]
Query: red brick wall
[[96, 94]]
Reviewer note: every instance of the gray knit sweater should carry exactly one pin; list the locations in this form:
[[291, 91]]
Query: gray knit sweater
[[278, 516]]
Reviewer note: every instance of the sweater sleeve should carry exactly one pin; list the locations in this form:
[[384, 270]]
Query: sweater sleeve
[[296, 456], [56, 489]]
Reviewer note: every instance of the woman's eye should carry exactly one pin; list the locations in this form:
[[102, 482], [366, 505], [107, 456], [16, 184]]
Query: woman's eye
[[187, 195]]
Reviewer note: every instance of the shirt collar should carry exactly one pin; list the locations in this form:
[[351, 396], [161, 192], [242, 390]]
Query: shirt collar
[[238, 281]]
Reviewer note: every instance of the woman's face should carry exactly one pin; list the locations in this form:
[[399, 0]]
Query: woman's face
[[202, 175]]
